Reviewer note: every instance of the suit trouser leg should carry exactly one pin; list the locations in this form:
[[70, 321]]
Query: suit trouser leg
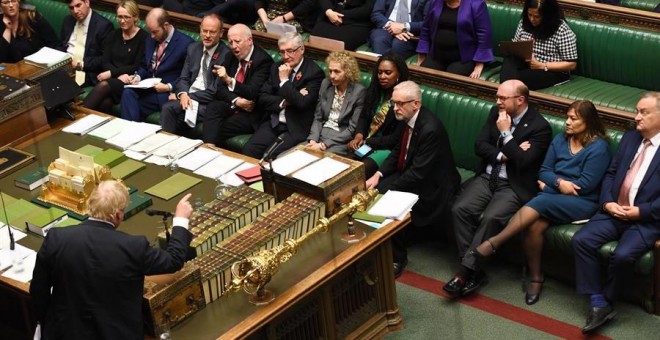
[[586, 242], [171, 116], [216, 113], [479, 214], [631, 247], [380, 40], [405, 49], [129, 103]]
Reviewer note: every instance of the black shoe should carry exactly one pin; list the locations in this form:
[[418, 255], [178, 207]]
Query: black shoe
[[454, 286], [398, 268], [474, 282], [531, 299], [598, 317]]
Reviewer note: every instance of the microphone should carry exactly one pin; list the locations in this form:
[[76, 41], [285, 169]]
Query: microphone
[[12, 242], [271, 149], [154, 212]]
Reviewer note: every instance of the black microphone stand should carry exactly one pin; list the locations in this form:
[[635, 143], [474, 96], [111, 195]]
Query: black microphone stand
[[167, 230], [12, 243], [268, 157]]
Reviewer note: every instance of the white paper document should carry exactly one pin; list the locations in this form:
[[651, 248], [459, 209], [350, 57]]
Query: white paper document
[[9, 258], [292, 161], [279, 28], [47, 57], [191, 113], [86, 124], [198, 158], [321, 171], [219, 166], [151, 143], [144, 83], [22, 271], [394, 204], [178, 148], [4, 235], [231, 178], [132, 134], [110, 129]]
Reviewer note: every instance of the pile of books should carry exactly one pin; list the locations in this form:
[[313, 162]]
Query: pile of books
[[289, 219]]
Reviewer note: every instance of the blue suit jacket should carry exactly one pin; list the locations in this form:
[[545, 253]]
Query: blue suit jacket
[[171, 62], [383, 9], [97, 32], [473, 31], [648, 195]]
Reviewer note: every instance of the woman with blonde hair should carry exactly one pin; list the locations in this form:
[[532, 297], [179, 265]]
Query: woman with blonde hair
[[24, 31], [341, 99], [122, 55]]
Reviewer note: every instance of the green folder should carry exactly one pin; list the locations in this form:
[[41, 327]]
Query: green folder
[[67, 223], [173, 186], [126, 168], [90, 150], [109, 158], [19, 212]]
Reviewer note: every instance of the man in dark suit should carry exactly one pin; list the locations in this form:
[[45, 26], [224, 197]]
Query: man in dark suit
[[630, 201], [512, 146], [396, 25], [422, 163], [83, 35], [164, 57], [239, 79], [287, 100], [196, 85], [88, 279]]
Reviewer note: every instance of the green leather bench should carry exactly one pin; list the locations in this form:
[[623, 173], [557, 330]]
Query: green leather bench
[[645, 5]]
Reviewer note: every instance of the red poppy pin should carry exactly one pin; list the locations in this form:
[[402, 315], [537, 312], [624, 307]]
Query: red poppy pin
[[249, 64], [215, 57], [298, 76]]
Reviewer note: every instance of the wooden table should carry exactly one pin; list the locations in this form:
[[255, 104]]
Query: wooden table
[[329, 289]]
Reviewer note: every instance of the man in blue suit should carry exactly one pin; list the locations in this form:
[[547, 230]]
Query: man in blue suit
[[83, 35], [630, 201], [397, 21], [164, 56]]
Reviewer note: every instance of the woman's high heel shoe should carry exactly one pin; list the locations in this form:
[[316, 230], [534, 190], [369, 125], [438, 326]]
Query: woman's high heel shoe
[[531, 299]]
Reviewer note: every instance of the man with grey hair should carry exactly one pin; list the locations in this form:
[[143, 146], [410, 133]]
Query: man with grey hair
[[239, 79], [287, 99], [422, 163], [88, 279], [630, 214]]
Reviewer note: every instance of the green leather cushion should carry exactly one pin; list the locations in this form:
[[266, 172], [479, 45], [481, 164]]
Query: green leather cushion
[[602, 93], [646, 5]]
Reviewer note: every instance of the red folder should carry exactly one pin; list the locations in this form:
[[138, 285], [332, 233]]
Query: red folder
[[250, 175]]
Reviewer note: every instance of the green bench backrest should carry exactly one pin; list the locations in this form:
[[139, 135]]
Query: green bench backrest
[[647, 5], [53, 11], [504, 20]]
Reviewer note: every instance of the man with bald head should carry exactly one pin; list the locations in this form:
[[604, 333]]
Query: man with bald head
[[239, 79], [164, 55], [195, 88], [88, 279], [511, 145]]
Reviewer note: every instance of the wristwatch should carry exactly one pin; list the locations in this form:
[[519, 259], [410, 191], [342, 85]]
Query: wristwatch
[[505, 134]]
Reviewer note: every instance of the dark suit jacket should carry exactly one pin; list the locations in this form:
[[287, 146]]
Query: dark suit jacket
[[383, 9], [21, 46], [97, 276], [522, 167], [191, 68], [255, 76], [648, 195], [99, 29], [171, 62], [306, 12], [348, 116], [300, 109], [429, 170]]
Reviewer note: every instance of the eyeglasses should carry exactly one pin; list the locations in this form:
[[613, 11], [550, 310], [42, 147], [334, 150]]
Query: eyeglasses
[[8, 2], [124, 17], [504, 98], [290, 52], [400, 104]]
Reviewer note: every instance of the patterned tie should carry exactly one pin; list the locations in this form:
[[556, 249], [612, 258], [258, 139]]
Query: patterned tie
[[159, 54], [240, 75], [79, 51], [624, 193], [205, 67], [404, 149]]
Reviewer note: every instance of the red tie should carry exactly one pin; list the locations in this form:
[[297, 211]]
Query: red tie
[[240, 76], [404, 149], [159, 53], [624, 193]]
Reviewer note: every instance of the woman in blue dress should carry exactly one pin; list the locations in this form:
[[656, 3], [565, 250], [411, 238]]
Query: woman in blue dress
[[569, 184]]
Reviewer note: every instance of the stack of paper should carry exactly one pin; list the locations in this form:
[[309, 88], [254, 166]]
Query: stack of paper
[[46, 57], [218, 166], [171, 152], [111, 129], [292, 161], [230, 178], [86, 124], [21, 268], [198, 158], [146, 147], [133, 133], [321, 171], [144, 83], [394, 204]]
